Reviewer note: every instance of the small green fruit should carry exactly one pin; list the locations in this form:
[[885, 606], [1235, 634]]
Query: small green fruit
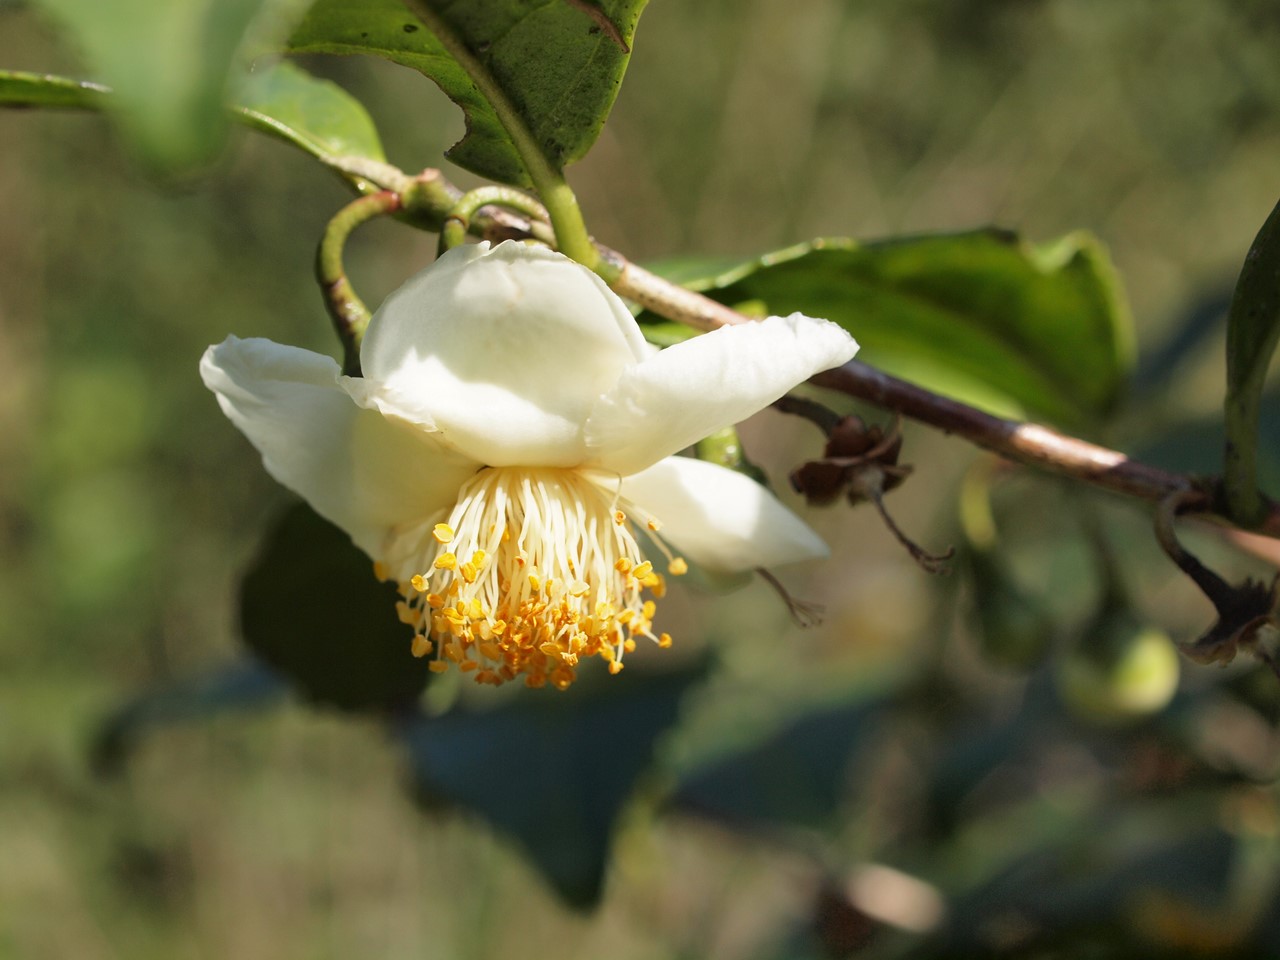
[[1125, 672]]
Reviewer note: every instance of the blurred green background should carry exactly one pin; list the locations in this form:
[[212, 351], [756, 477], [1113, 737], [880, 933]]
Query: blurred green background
[[129, 506]]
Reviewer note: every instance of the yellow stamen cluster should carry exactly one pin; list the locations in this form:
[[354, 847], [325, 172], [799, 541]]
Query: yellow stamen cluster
[[533, 570]]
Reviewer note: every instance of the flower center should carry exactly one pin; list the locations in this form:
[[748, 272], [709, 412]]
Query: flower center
[[533, 570]]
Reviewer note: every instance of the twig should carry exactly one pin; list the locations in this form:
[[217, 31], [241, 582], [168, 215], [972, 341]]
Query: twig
[[1031, 444]]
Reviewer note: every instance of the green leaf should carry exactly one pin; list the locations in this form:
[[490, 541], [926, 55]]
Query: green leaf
[[18, 89], [313, 114], [557, 64], [282, 100], [167, 61], [1253, 329], [982, 316], [551, 770], [312, 609]]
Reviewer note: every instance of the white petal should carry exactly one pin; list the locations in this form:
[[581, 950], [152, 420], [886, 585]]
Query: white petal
[[501, 350], [718, 518], [357, 469], [702, 385]]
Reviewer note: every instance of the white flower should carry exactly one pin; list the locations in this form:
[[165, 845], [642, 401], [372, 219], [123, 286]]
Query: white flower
[[511, 434]]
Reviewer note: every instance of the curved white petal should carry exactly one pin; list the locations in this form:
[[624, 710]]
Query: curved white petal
[[699, 386], [357, 469], [718, 518], [503, 351]]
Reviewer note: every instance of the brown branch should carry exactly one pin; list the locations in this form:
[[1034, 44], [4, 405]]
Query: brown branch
[[1031, 444]]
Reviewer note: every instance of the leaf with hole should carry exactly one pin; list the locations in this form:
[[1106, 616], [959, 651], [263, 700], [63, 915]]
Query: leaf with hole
[[555, 66]]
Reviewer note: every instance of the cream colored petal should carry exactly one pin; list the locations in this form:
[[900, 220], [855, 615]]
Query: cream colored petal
[[718, 518], [503, 350], [368, 475], [702, 385]]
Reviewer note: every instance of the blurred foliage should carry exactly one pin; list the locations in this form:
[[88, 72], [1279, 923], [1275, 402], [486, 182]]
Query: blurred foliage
[[872, 785]]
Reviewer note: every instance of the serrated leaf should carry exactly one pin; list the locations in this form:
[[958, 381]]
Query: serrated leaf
[[167, 61], [982, 316], [550, 770], [553, 61], [312, 609], [313, 114]]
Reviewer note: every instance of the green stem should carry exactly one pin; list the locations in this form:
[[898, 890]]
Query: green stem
[[572, 238], [349, 314], [453, 233], [1253, 327]]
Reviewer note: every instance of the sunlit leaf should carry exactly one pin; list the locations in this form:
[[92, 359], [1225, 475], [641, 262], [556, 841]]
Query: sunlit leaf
[[558, 64], [48, 91], [550, 770], [311, 608], [982, 316], [313, 114]]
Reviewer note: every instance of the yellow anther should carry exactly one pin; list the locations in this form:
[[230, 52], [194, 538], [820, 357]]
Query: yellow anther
[[626, 615], [534, 680], [406, 613], [437, 666], [654, 524], [535, 582], [478, 558], [419, 582], [466, 666], [380, 570], [622, 565], [477, 609], [550, 649], [615, 667], [606, 653], [549, 586], [579, 588], [649, 609], [629, 645], [563, 676], [491, 651], [677, 567], [664, 640], [435, 601], [443, 533], [469, 572], [422, 646], [499, 627], [446, 561], [619, 517]]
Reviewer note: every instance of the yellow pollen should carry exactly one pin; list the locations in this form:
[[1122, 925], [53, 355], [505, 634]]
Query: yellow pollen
[[677, 567], [654, 524], [664, 640], [381, 571], [555, 576]]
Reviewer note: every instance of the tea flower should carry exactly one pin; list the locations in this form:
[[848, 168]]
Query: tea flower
[[507, 457]]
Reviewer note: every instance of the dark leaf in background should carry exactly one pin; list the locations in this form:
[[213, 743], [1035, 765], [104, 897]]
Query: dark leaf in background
[[552, 771], [798, 776], [241, 685], [311, 607], [560, 68]]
